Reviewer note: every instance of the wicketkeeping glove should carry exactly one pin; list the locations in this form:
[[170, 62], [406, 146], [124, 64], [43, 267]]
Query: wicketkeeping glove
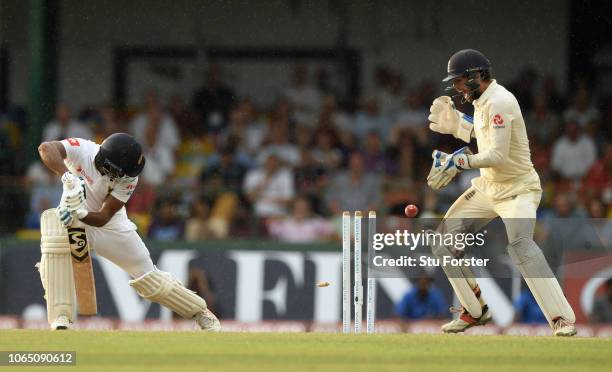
[[445, 119], [446, 166]]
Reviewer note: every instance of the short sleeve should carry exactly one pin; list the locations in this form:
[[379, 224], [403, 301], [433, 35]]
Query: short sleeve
[[124, 189], [74, 147]]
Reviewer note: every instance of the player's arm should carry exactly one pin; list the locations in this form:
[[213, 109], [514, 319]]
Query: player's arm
[[52, 154], [500, 130], [110, 206]]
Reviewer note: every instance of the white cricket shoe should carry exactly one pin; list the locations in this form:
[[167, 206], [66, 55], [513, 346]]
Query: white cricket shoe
[[61, 322], [466, 321], [563, 328], [208, 321]]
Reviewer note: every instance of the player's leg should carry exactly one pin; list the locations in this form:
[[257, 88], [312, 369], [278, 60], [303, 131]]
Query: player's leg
[[55, 269], [519, 215], [128, 251], [470, 212]]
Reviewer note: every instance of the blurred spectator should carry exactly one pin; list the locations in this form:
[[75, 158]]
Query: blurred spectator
[[167, 132], [523, 88], [563, 207], [326, 151], [602, 305], [580, 111], [412, 117], [167, 225], [278, 144], [197, 227], [270, 188], [109, 122], [390, 97], [256, 130], [600, 222], [64, 126], [599, 179], [375, 158], [310, 178], [244, 130], [45, 192], [222, 183], [187, 121], [354, 190], [226, 171], [573, 154], [213, 101], [302, 226], [305, 98], [369, 119], [556, 101], [333, 118], [422, 301], [527, 310], [159, 157], [542, 123]]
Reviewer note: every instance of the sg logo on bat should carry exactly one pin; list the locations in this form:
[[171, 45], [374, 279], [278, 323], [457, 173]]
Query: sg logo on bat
[[78, 243]]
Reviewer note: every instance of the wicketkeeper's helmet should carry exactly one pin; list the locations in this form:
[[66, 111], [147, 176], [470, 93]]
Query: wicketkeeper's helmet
[[466, 62]]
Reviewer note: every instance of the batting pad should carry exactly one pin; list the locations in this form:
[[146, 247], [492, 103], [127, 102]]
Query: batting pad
[[163, 288], [56, 268], [541, 281]]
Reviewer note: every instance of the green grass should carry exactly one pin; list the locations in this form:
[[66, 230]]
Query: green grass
[[182, 351]]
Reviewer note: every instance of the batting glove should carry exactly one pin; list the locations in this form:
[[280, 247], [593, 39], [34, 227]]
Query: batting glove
[[67, 217], [73, 195]]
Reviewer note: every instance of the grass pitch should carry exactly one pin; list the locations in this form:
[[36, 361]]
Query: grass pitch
[[197, 351]]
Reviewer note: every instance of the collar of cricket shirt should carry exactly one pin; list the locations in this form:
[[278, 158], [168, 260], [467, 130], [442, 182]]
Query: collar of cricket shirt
[[486, 94]]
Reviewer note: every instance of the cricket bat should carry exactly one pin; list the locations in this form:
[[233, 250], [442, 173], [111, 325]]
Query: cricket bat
[[82, 268]]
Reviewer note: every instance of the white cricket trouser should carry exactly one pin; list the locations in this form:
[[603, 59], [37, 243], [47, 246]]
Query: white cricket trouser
[[124, 248], [471, 211]]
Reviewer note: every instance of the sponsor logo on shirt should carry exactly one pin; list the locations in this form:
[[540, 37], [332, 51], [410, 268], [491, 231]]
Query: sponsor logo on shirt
[[498, 121], [73, 142]]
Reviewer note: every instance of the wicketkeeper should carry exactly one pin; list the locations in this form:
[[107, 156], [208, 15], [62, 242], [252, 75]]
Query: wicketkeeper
[[106, 176], [508, 187]]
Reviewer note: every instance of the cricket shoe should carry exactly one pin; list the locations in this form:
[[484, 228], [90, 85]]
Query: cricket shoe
[[466, 321], [60, 323], [563, 328], [208, 321]]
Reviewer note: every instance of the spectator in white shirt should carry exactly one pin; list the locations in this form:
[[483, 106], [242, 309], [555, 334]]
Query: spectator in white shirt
[[65, 127], [168, 132], [573, 154], [305, 98], [270, 188], [160, 159], [302, 226], [279, 145]]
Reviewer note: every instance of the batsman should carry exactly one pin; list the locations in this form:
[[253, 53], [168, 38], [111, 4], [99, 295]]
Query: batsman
[[98, 181], [508, 187]]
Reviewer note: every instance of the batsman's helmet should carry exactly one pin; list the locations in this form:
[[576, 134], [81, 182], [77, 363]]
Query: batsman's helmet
[[466, 62], [120, 155]]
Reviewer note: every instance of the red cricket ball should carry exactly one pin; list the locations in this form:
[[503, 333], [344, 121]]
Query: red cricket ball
[[411, 210]]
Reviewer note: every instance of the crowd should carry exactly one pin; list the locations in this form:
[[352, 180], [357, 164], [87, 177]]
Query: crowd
[[219, 166]]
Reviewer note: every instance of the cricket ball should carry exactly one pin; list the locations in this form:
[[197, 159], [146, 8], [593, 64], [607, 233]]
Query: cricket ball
[[411, 210]]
